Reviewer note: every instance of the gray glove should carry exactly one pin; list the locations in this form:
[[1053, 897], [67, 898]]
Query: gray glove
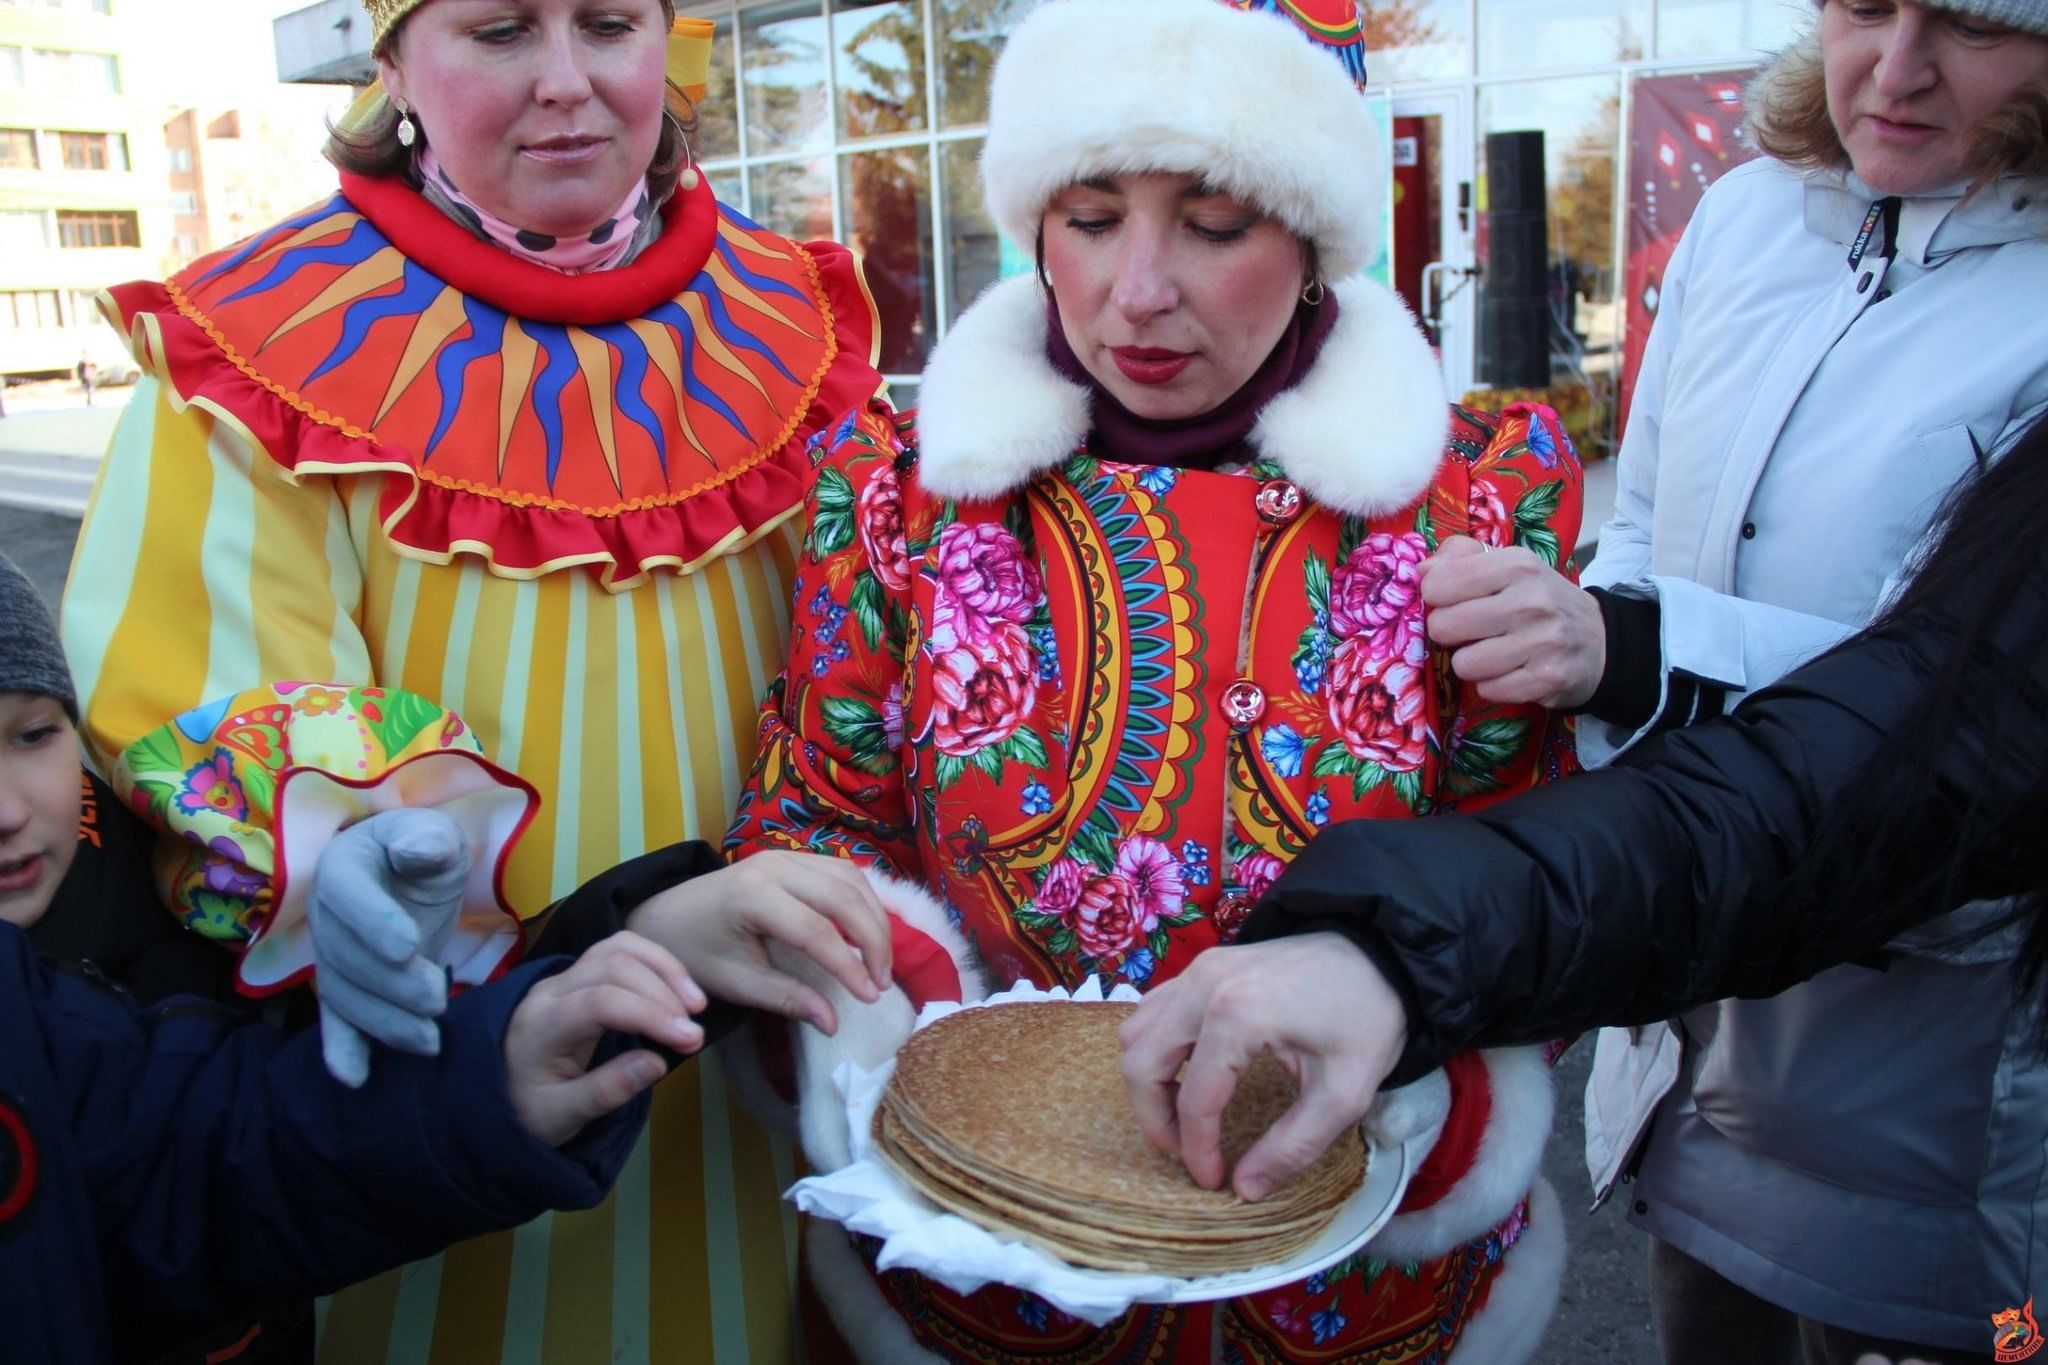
[[385, 897]]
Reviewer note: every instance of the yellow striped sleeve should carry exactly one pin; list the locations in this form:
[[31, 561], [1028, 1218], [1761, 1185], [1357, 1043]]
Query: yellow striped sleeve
[[197, 575]]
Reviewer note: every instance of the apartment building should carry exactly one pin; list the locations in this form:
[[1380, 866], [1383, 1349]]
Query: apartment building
[[82, 198], [235, 171]]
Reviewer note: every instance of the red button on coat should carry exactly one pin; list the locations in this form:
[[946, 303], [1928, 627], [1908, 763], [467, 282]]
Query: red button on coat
[[1244, 701], [1278, 501]]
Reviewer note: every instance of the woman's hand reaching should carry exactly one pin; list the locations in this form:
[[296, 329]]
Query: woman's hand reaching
[[721, 924]]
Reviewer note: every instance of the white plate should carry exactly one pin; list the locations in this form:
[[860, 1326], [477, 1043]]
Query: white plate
[[917, 1235], [1358, 1220]]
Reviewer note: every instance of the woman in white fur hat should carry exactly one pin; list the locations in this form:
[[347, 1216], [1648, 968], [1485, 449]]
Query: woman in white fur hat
[[1086, 650]]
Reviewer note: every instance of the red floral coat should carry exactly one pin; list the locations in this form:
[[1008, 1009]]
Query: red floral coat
[[1096, 716]]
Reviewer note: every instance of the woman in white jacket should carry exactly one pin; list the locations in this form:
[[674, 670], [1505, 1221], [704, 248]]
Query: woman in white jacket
[[1849, 327]]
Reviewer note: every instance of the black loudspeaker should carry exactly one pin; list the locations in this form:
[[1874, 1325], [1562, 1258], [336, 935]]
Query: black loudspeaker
[[1514, 295]]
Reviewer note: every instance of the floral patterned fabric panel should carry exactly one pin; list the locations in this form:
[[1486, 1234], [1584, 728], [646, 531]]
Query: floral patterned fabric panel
[[211, 778], [1099, 716]]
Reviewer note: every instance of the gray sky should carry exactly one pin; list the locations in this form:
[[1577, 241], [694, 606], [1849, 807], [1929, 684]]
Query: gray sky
[[211, 52]]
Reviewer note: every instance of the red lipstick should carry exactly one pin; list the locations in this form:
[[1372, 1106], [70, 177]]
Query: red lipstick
[[1149, 364]]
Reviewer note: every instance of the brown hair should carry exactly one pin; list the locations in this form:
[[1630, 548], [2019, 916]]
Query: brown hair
[[370, 146], [1787, 103]]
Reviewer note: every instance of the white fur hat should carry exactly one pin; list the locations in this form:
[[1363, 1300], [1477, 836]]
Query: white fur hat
[[1263, 103], [2028, 16]]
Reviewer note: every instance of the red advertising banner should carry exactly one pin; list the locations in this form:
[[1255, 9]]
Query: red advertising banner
[[1681, 139]]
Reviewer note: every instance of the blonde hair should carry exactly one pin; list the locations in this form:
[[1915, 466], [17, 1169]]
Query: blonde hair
[[1787, 104]]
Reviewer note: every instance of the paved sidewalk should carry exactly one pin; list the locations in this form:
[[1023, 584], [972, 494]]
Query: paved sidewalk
[[48, 457], [40, 544]]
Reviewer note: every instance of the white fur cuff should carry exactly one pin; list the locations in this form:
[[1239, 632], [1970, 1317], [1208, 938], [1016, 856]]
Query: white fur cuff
[[1510, 1155], [869, 1034], [1509, 1329]]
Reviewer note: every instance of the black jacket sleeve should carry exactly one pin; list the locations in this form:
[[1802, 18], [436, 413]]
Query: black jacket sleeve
[[1631, 894]]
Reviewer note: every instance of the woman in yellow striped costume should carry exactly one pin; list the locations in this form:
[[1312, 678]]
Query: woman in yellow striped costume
[[515, 422]]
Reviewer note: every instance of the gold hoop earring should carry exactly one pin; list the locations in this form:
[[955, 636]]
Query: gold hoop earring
[[1312, 293], [408, 131]]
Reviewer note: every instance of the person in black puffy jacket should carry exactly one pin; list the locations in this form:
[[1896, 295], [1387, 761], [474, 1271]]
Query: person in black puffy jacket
[[1901, 774]]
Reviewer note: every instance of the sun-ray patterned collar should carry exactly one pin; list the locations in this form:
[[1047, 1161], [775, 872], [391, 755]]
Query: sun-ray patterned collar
[[649, 416]]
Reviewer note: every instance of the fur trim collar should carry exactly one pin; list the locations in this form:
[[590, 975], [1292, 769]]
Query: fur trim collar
[[1363, 433]]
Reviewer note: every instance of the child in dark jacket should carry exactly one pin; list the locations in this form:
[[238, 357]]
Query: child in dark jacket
[[182, 1158]]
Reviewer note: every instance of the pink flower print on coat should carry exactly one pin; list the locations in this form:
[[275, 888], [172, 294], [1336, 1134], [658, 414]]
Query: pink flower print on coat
[[1256, 873], [1061, 890], [1376, 595], [1108, 920], [212, 785], [981, 696], [1154, 874], [879, 515], [1375, 705], [892, 718], [1491, 521], [985, 582]]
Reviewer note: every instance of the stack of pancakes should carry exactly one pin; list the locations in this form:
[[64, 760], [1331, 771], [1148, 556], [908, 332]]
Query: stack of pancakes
[[1015, 1117]]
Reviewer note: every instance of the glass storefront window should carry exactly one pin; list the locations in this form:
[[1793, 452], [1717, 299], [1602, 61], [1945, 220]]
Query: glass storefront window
[[1521, 35], [1713, 28], [1580, 119], [793, 198], [718, 113], [878, 57], [969, 34], [886, 206], [799, 88], [726, 186], [1416, 40], [782, 66], [976, 255]]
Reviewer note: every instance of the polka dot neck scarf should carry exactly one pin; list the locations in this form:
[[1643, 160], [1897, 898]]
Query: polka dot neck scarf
[[611, 243]]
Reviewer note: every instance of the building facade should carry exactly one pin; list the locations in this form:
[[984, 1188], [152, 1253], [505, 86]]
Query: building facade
[[861, 120], [82, 199], [234, 171]]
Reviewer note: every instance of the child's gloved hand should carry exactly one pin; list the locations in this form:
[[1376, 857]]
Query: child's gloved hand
[[385, 897]]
